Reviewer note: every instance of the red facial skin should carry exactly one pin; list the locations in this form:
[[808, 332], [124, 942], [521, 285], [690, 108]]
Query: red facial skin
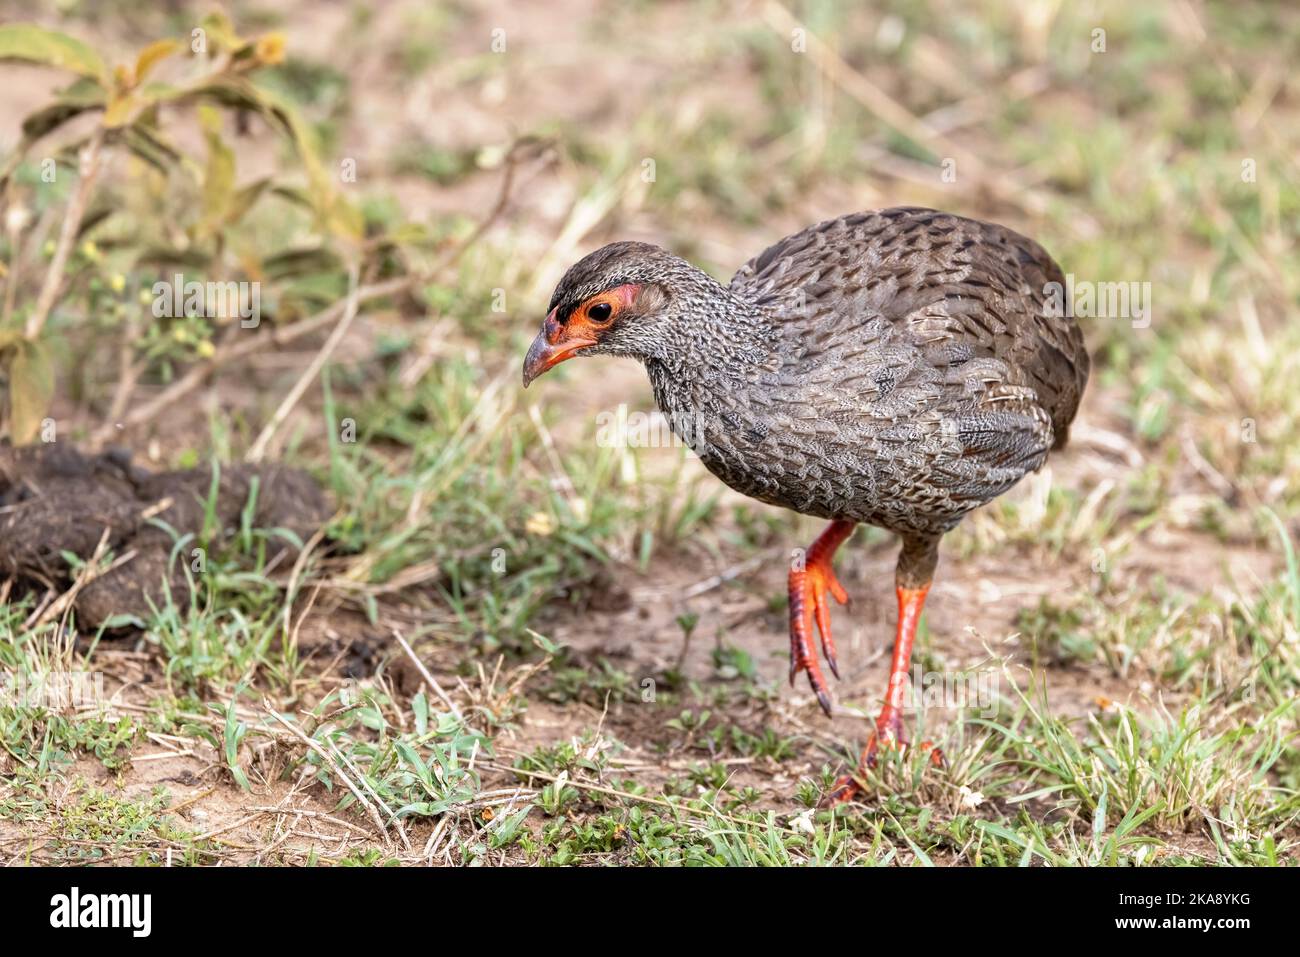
[[559, 341]]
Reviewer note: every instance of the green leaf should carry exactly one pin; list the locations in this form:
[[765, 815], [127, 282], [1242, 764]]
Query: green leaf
[[148, 145], [152, 55], [427, 808], [33, 44], [409, 755], [244, 199], [301, 263], [31, 387], [80, 96], [122, 620], [235, 732], [505, 832], [121, 110], [292, 194], [221, 32], [332, 209], [219, 175], [420, 706]]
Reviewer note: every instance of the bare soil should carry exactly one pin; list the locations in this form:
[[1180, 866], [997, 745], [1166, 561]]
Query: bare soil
[[55, 501]]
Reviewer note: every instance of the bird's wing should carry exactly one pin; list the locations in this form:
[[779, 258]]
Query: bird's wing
[[946, 302]]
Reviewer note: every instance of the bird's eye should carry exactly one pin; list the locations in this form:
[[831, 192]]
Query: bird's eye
[[600, 312]]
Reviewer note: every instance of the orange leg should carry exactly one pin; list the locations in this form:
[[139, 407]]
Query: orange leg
[[889, 725], [808, 604]]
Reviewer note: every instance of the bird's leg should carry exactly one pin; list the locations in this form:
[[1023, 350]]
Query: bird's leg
[[810, 580], [915, 573]]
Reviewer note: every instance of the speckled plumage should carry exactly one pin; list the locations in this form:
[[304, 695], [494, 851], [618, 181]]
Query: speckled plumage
[[897, 367]]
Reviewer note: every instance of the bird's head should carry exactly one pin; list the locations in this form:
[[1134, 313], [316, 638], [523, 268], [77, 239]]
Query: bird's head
[[624, 299]]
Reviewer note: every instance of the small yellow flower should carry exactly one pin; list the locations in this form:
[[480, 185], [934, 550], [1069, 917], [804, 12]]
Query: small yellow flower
[[270, 48], [205, 349], [540, 523], [89, 249], [117, 283]]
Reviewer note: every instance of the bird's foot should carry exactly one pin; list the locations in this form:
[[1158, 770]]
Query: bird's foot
[[809, 587], [889, 733]]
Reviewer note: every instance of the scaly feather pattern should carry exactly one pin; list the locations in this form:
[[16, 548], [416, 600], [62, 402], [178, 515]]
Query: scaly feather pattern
[[897, 367]]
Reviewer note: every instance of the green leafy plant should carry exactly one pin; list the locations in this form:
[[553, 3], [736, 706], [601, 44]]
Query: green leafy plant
[[175, 212]]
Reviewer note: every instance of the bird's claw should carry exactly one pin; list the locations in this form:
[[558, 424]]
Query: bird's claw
[[808, 604]]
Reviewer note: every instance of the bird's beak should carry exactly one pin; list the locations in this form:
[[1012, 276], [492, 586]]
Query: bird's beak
[[552, 346]]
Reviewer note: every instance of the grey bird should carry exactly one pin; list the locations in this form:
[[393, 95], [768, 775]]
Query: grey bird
[[896, 368]]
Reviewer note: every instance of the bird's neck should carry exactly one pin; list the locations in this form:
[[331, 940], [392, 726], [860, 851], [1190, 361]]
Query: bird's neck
[[701, 385], [722, 337]]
